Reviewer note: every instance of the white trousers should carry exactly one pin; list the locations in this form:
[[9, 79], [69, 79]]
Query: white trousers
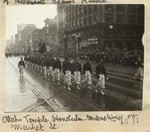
[[21, 70], [57, 74], [44, 70], [140, 71], [77, 77], [88, 77], [50, 71], [67, 78], [101, 80]]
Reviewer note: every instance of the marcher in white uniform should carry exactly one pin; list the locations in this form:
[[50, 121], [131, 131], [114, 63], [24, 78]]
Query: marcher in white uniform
[[57, 70], [101, 75], [140, 72], [77, 72], [67, 73], [87, 70]]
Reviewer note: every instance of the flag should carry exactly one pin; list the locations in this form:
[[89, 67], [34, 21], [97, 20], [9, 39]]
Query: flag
[[42, 48]]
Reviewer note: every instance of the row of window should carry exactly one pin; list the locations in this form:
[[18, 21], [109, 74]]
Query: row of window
[[108, 8], [108, 18]]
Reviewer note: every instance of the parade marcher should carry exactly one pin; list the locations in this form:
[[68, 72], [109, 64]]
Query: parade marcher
[[57, 70], [101, 75], [44, 67], [67, 73], [77, 72], [140, 72], [51, 69], [41, 65], [25, 60], [36, 64], [47, 63], [21, 65], [87, 70], [33, 63]]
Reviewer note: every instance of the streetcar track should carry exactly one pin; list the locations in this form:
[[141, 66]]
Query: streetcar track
[[82, 101], [112, 94]]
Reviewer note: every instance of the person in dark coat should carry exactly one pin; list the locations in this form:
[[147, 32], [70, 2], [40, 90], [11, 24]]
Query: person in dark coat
[[21, 66], [87, 70], [66, 65], [101, 75], [67, 72], [57, 70], [77, 72]]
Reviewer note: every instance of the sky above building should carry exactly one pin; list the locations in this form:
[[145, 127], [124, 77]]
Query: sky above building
[[27, 14]]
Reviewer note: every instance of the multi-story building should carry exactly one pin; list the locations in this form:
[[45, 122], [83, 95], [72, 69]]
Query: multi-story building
[[100, 25], [25, 41], [51, 34]]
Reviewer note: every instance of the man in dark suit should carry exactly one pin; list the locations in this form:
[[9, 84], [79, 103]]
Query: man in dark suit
[[21, 65]]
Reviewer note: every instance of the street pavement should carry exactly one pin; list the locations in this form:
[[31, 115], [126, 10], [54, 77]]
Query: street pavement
[[34, 93]]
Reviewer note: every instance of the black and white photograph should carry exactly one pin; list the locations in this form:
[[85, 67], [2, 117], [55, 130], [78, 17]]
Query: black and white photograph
[[74, 58]]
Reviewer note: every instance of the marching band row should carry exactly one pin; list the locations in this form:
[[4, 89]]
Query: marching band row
[[53, 69]]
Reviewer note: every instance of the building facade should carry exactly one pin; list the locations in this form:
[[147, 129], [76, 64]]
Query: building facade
[[83, 26], [51, 34]]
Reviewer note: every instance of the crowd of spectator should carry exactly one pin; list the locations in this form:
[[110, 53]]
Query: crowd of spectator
[[109, 55]]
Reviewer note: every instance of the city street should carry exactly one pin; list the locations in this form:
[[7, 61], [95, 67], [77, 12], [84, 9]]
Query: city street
[[34, 93]]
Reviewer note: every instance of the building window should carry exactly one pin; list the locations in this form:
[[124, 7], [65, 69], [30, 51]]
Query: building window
[[120, 8], [141, 9], [109, 17], [120, 18], [90, 20], [140, 19], [131, 18], [131, 9]]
